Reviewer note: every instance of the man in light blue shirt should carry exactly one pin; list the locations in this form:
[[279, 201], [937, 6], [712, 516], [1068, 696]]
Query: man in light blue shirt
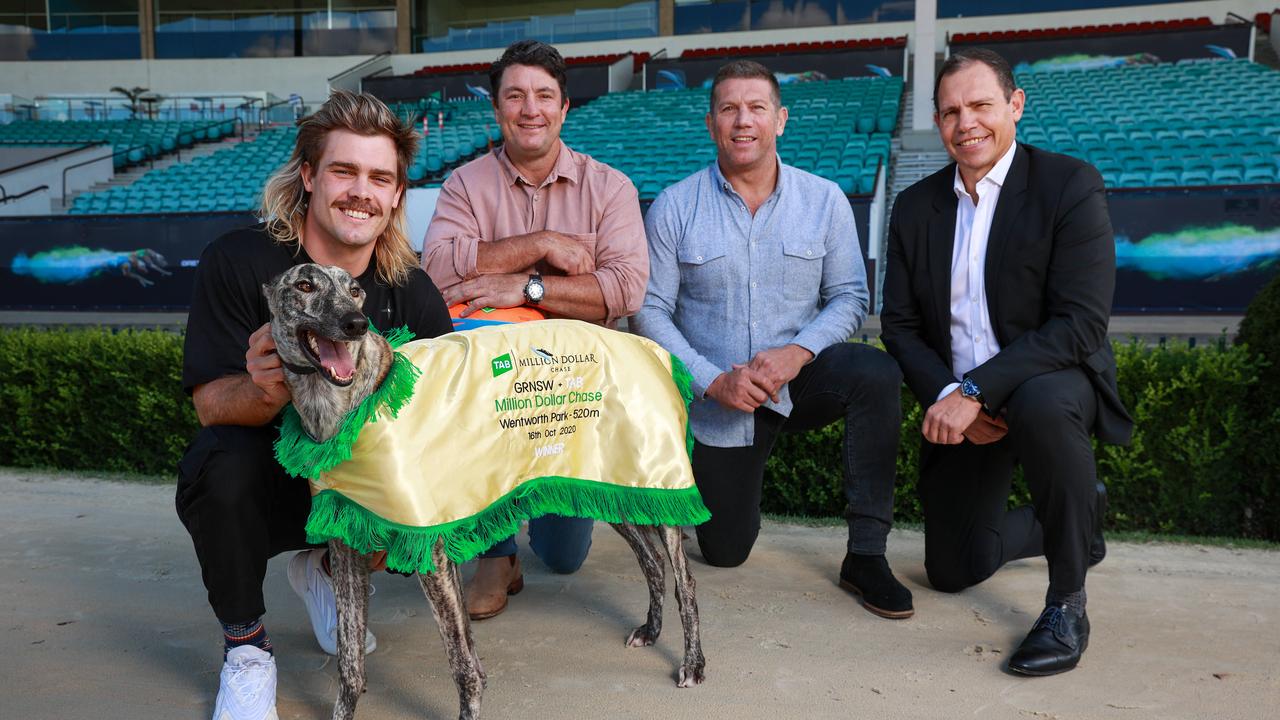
[[755, 283]]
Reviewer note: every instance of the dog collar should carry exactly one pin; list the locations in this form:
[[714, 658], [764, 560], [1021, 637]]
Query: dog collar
[[299, 369]]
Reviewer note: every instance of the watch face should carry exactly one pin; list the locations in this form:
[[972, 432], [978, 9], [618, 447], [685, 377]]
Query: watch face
[[534, 291], [970, 388]]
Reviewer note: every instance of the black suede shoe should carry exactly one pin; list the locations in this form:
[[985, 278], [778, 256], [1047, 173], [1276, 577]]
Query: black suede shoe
[[1055, 643], [1098, 545], [870, 577]]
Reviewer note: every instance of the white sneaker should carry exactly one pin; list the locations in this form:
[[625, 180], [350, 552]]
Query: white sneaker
[[248, 687], [308, 578]]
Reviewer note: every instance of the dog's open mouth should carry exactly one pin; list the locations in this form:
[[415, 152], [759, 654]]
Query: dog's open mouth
[[332, 357]]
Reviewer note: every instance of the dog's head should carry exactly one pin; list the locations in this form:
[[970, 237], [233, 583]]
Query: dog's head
[[316, 320]]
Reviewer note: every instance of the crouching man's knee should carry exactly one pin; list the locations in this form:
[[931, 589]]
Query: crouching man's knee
[[725, 552], [955, 574]]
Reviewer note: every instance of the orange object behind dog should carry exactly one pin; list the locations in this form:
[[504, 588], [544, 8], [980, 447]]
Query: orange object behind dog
[[493, 316]]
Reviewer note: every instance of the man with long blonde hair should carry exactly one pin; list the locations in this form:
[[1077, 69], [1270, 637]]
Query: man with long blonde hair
[[339, 200]]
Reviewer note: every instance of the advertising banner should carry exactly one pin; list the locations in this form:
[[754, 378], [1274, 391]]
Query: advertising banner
[[1177, 250], [1121, 50], [106, 262], [1194, 250]]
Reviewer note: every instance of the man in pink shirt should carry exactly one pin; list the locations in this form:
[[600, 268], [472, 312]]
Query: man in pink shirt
[[535, 223]]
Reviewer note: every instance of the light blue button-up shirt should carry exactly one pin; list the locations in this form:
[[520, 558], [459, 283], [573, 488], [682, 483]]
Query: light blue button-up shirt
[[724, 285]]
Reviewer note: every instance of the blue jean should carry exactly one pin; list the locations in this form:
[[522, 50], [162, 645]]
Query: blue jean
[[560, 542]]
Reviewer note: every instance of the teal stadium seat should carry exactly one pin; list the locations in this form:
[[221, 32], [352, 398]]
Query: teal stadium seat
[[1260, 175], [1196, 176], [1227, 176], [1132, 179]]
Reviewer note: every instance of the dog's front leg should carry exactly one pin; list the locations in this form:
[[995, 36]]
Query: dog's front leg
[[693, 669], [443, 589], [655, 575], [350, 575]]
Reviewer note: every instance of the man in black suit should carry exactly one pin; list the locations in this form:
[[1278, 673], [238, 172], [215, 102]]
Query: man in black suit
[[998, 288]]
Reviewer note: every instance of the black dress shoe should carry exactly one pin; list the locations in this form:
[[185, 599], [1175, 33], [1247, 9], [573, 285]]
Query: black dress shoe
[[1055, 643], [869, 576], [1098, 545]]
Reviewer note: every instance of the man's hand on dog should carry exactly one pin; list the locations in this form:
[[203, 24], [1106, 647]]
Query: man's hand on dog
[[265, 368], [495, 291]]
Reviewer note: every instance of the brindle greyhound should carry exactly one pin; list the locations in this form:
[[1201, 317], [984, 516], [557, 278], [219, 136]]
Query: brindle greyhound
[[331, 363]]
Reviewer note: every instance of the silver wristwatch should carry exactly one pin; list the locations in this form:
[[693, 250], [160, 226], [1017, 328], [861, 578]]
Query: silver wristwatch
[[534, 289]]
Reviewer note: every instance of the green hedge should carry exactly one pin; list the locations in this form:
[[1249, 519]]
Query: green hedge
[[1201, 461], [1198, 463], [93, 400]]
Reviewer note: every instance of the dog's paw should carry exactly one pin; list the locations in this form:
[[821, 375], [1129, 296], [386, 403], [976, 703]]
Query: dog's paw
[[690, 676], [642, 636]]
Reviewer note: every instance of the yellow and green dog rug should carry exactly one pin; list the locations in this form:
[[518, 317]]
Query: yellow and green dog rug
[[474, 432]]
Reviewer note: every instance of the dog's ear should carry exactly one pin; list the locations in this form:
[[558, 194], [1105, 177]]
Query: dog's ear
[[271, 284]]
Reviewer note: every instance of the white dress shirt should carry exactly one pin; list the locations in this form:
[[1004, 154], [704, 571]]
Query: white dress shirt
[[973, 340]]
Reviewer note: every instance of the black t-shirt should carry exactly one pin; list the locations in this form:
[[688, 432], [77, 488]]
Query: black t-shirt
[[228, 305]]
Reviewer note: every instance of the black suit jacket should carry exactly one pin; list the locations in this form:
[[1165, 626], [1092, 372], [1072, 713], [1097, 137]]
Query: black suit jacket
[[1050, 276]]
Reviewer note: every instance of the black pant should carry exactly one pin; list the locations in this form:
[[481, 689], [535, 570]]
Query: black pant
[[849, 380], [241, 509], [970, 533]]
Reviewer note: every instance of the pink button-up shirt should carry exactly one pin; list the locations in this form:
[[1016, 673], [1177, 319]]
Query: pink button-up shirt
[[487, 200]]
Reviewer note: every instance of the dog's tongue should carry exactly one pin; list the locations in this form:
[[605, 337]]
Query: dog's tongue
[[334, 357]]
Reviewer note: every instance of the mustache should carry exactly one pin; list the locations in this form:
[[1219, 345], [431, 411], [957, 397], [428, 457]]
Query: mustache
[[358, 207]]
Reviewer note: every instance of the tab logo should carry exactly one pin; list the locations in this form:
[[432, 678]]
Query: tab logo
[[502, 364]]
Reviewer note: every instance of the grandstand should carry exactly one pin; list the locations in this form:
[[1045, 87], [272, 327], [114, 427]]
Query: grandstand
[[1160, 101], [838, 129], [1149, 125], [229, 179], [232, 178]]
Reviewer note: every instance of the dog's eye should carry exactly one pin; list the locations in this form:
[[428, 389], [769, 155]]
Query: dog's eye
[[304, 286], [355, 291]]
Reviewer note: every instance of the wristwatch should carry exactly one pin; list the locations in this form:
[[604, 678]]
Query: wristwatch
[[970, 389], [534, 289]]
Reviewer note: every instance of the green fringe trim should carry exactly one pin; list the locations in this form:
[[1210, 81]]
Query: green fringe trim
[[684, 381], [301, 456], [333, 516]]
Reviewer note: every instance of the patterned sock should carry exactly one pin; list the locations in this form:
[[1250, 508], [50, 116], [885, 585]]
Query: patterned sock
[[1074, 601], [250, 633]]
